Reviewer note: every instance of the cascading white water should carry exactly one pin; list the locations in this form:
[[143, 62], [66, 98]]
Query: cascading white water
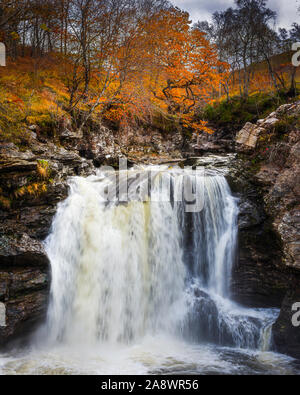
[[142, 285], [121, 271], [117, 271], [213, 232]]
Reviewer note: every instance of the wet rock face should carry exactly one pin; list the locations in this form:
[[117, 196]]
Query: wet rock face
[[268, 268], [32, 214], [100, 147], [283, 202], [22, 251], [209, 322], [21, 314], [277, 180], [105, 147], [2, 315], [24, 283], [24, 266], [219, 142], [259, 278], [286, 331]]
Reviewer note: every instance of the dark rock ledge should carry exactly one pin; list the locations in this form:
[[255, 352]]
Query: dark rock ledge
[[24, 282], [24, 266]]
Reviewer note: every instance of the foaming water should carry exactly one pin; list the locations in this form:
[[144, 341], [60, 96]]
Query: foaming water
[[143, 286], [151, 355]]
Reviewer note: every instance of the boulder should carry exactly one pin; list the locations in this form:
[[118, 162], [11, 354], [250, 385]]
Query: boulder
[[269, 122], [70, 135], [247, 138], [209, 321]]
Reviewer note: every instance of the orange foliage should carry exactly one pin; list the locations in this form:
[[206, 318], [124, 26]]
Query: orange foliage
[[160, 66], [170, 68]]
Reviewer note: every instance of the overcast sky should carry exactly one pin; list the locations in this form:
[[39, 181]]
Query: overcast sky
[[203, 9]]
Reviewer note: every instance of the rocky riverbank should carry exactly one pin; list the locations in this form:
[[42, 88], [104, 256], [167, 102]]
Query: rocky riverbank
[[268, 269], [264, 173]]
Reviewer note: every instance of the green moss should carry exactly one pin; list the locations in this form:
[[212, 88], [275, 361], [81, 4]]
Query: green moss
[[286, 125], [43, 163], [234, 113], [165, 123]]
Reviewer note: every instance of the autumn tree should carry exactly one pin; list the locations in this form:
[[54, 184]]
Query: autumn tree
[[244, 36], [125, 60], [185, 67], [107, 55]]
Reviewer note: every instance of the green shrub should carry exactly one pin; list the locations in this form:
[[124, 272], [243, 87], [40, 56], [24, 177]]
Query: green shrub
[[286, 125], [235, 112], [165, 123]]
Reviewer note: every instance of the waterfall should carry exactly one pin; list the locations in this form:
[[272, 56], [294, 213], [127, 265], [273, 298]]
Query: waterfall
[[210, 236], [126, 267]]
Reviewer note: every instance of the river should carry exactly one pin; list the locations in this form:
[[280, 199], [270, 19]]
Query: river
[[141, 282]]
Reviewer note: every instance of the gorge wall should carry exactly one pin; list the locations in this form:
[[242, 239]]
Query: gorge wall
[[264, 174], [268, 269]]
